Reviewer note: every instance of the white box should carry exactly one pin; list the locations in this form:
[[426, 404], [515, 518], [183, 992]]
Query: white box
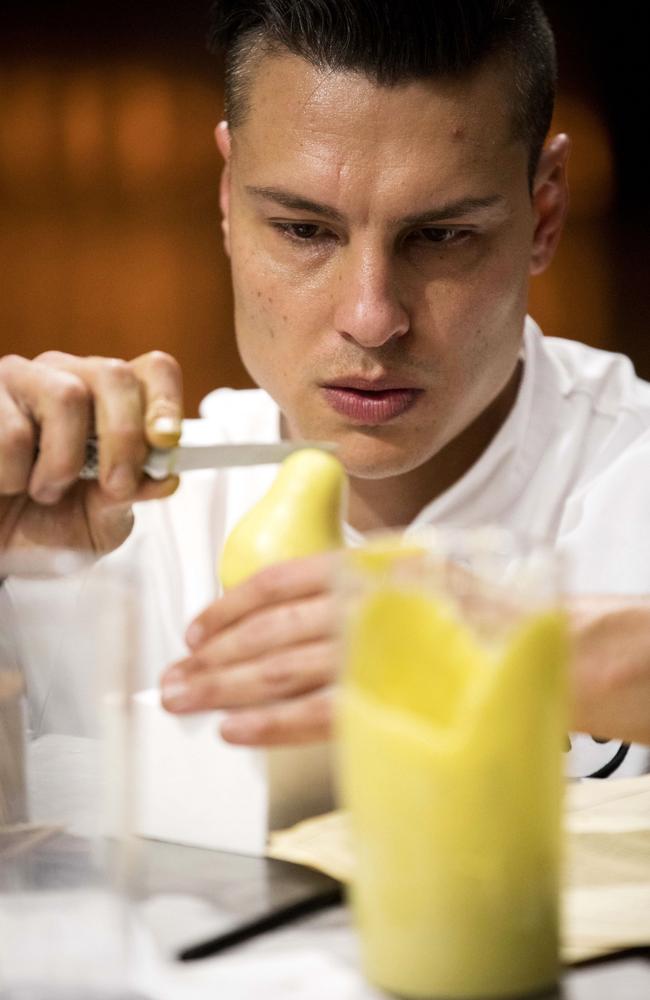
[[191, 787]]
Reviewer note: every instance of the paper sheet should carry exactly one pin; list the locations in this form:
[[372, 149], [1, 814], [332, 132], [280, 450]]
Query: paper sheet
[[606, 895]]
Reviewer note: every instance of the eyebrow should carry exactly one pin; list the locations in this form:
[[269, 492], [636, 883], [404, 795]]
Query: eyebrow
[[452, 209], [455, 209], [295, 202]]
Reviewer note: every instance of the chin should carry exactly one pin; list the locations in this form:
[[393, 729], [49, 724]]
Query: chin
[[366, 457]]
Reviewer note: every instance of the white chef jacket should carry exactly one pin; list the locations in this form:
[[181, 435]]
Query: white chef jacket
[[570, 465]]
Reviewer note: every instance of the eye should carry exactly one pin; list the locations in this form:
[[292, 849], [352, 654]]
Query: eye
[[303, 231], [439, 235]]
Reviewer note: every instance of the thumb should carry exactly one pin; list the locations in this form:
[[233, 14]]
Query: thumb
[[110, 521]]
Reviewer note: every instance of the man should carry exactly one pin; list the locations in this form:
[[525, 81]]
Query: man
[[386, 197]]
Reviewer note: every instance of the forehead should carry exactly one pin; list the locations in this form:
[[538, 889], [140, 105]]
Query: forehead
[[342, 124]]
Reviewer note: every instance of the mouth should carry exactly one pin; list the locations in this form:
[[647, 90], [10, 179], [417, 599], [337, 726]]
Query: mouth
[[370, 402]]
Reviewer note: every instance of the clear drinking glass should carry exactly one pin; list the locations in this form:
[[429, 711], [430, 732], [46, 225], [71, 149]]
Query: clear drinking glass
[[67, 651], [452, 725]]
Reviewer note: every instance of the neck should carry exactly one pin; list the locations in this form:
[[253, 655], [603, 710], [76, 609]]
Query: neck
[[394, 502]]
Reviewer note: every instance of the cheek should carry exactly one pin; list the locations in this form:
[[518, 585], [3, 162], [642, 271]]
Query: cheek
[[264, 324], [258, 305], [474, 307], [264, 292]]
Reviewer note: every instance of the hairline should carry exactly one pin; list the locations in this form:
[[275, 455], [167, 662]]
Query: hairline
[[256, 45]]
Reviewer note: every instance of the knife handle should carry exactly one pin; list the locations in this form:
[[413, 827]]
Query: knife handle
[[157, 466]]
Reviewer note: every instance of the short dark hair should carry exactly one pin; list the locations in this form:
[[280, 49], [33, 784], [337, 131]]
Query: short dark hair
[[395, 41]]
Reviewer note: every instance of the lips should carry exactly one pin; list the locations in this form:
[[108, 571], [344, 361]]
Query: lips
[[370, 402]]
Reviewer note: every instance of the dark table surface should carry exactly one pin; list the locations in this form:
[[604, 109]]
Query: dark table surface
[[183, 895]]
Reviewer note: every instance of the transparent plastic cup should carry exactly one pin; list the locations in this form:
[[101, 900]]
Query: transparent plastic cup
[[452, 725], [68, 646]]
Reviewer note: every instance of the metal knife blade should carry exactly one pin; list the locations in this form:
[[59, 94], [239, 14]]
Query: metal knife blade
[[162, 462]]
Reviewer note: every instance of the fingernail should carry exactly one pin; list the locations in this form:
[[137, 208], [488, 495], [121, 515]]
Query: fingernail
[[194, 635], [121, 480], [169, 485], [177, 696], [166, 425]]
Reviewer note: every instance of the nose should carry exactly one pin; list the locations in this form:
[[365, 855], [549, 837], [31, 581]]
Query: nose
[[368, 308]]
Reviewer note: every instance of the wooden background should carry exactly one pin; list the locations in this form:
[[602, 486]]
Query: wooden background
[[109, 222]]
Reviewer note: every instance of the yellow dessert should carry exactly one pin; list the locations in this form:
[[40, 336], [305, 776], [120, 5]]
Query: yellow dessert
[[300, 515], [451, 770]]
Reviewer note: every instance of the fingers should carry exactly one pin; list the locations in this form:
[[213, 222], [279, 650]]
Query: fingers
[[17, 442], [58, 402], [149, 489], [162, 383], [610, 668], [55, 401], [278, 652], [269, 629], [272, 677], [280, 584], [118, 409], [269, 643], [587, 610], [109, 522], [302, 720], [119, 425], [137, 404]]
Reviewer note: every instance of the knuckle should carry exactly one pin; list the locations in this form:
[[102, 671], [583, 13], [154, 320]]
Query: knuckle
[[272, 625], [321, 660], [213, 690], [68, 391], [116, 370], [296, 616], [16, 436], [235, 643], [278, 675], [162, 361], [51, 357], [11, 364], [268, 584], [328, 614]]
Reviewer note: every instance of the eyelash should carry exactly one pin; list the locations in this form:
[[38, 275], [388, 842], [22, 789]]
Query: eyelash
[[290, 229], [454, 236]]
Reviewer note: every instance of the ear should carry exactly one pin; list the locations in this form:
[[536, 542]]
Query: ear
[[222, 138], [550, 201]]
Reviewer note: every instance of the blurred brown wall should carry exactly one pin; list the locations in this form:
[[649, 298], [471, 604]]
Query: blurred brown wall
[[109, 225], [109, 221]]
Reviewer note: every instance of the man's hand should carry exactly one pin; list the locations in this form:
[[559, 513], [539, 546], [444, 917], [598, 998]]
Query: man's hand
[[266, 652], [48, 407], [610, 668]]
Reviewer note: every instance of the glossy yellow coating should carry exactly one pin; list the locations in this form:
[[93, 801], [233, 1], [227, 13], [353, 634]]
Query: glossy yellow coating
[[300, 515], [451, 769]]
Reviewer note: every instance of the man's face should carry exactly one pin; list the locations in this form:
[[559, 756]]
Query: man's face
[[380, 240]]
